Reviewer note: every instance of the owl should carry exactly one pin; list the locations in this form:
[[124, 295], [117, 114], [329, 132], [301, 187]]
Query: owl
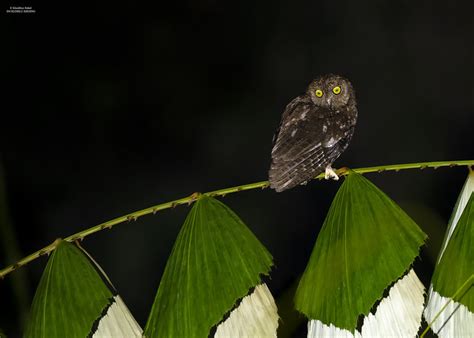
[[315, 129]]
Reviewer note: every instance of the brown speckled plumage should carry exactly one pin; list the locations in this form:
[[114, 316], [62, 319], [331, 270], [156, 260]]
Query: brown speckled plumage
[[313, 132]]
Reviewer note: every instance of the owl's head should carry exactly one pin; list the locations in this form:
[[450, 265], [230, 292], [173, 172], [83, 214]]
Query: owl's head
[[330, 91]]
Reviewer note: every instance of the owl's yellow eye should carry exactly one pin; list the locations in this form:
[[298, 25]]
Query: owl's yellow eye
[[336, 90], [318, 92]]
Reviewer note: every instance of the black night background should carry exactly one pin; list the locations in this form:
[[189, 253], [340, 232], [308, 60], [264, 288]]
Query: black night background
[[113, 108]]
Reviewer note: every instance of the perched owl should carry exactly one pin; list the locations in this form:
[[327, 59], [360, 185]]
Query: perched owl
[[315, 129]]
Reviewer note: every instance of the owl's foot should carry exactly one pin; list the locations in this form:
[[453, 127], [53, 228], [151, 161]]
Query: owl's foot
[[330, 173]]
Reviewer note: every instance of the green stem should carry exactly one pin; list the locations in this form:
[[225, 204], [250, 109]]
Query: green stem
[[467, 284], [222, 192]]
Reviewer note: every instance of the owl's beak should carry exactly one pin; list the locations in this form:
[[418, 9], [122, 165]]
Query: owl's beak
[[328, 101]]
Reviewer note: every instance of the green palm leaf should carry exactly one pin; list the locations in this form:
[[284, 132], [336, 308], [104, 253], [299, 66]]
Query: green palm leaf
[[70, 297], [366, 243], [457, 262], [451, 316], [215, 261]]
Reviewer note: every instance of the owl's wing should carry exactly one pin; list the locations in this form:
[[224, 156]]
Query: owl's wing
[[309, 139]]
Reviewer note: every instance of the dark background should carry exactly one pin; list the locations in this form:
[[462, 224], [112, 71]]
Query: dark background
[[113, 108]]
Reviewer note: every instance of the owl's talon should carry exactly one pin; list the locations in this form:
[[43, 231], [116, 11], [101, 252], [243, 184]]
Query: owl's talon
[[330, 174]]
